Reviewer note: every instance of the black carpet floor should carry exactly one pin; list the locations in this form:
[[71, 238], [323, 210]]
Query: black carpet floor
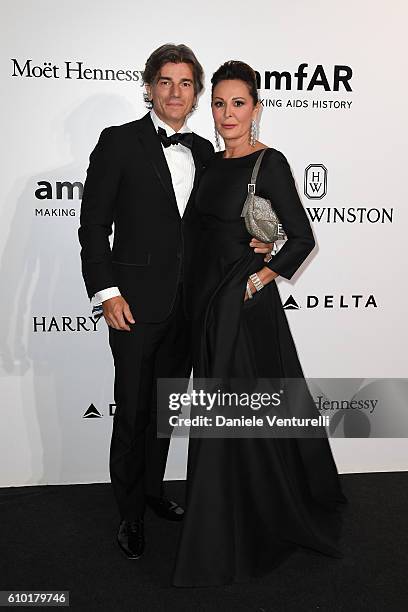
[[63, 537]]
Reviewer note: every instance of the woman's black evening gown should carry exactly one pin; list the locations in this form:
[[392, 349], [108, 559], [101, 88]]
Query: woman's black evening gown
[[250, 501]]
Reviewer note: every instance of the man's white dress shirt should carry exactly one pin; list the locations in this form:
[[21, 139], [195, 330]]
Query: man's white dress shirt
[[182, 169]]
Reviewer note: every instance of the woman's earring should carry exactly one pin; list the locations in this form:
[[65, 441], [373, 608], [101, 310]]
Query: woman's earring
[[217, 138], [253, 133]]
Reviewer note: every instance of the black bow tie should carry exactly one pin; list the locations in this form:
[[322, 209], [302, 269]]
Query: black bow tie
[[185, 139]]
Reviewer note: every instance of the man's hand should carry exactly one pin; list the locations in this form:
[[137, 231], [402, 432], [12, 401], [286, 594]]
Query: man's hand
[[117, 313], [262, 247]]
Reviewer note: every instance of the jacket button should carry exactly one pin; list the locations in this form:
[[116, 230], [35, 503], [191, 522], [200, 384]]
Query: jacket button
[[179, 255]]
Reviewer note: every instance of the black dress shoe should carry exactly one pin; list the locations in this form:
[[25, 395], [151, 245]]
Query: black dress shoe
[[131, 538], [165, 508]]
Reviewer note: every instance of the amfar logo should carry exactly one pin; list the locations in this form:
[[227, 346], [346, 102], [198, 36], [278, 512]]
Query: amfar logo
[[93, 413], [65, 324], [273, 79], [61, 190], [71, 70], [332, 301], [315, 188]]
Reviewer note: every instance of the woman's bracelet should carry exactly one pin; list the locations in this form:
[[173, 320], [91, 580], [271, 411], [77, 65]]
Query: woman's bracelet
[[258, 284]]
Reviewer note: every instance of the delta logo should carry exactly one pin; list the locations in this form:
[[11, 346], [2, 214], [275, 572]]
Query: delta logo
[[335, 302], [93, 413]]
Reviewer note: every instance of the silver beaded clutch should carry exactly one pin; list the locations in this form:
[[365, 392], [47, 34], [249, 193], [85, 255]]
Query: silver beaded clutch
[[261, 220]]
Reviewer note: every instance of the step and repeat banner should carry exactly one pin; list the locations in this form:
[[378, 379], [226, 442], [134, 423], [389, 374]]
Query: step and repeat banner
[[334, 102]]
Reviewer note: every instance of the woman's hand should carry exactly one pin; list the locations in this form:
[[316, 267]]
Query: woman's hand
[[265, 275], [262, 247]]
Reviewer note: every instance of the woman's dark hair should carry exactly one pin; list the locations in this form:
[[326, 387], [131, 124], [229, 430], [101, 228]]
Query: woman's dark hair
[[240, 71], [177, 54]]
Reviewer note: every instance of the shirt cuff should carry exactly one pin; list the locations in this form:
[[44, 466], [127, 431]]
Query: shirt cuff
[[105, 294]]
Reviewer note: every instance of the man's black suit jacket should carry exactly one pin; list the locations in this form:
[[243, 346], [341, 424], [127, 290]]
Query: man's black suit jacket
[[129, 185]]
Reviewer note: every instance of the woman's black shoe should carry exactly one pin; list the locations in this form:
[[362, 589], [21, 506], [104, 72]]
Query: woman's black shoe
[[165, 508]]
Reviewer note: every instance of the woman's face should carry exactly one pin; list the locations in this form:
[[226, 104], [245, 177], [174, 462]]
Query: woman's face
[[233, 109]]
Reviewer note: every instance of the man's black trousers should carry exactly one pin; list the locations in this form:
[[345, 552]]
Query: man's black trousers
[[149, 351]]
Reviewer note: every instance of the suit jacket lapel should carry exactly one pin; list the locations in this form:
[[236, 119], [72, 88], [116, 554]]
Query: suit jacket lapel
[[154, 152]]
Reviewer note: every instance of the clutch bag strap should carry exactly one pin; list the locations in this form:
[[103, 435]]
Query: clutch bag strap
[[252, 184]]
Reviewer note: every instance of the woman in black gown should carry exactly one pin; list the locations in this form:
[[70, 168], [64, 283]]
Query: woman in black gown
[[250, 501]]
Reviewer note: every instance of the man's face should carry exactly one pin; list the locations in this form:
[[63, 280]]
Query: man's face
[[172, 94]]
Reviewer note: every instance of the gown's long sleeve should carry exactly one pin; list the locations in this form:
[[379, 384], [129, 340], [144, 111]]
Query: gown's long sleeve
[[275, 182]]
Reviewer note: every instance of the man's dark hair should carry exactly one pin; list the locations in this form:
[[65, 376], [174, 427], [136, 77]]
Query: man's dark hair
[[172, 53], [240, 71]]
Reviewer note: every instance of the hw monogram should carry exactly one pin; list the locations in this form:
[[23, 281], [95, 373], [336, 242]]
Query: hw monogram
[[315, 185]]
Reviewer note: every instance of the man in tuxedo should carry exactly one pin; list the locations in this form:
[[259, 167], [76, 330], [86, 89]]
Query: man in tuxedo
[[141, 178]]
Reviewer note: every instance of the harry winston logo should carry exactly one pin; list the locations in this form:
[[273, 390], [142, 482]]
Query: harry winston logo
[[64, 324], [315, 186]]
